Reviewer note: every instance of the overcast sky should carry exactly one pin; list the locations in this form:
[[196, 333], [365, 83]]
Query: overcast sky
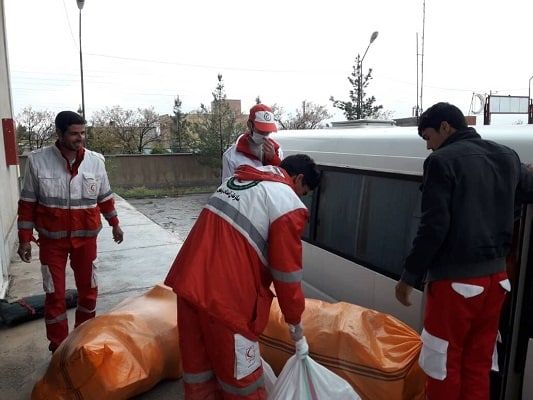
[[143, 53]]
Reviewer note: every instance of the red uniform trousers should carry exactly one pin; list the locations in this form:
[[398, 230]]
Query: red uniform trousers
[[461, 324], [53, 254], [208, 358]]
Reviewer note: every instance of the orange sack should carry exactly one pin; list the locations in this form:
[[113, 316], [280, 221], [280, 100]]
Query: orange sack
[[376, 353], [119, 354], [127, 351]]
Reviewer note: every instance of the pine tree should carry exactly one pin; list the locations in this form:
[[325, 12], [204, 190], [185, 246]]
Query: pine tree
[[359, 83], [179, 127], [217, 128]]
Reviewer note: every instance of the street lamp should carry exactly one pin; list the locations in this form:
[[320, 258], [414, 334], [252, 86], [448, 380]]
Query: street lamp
[[81, 3], [360, 97]]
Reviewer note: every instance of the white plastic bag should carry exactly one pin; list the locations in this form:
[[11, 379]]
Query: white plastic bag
[[269, 375], [302, 378]]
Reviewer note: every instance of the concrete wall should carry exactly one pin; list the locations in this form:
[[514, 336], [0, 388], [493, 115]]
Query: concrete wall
[[156, 171], [159, 171], [9, 192]]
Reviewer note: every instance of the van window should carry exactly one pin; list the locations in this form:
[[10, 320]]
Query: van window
[[370, 218], [389, 220], [308, 201], [338, 211]]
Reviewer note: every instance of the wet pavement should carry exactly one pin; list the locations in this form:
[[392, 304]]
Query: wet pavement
[[154, 230], [176, 214]]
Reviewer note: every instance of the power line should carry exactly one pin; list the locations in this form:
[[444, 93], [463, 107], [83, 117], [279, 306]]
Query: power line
[[447, 88], [69, 26], [173, 94], [469, 90], [204, 65]]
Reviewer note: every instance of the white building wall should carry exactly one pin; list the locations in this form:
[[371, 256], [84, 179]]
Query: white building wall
[[9, 192]]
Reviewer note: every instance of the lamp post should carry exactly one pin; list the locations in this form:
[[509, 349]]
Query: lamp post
[[360, 97], [81, 3], [529, 104]]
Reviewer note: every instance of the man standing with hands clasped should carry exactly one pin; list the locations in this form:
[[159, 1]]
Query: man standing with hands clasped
[[65, 190], [470, 188], [254, 147]]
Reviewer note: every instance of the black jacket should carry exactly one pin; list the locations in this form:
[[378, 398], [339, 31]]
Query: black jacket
[[469, 193]]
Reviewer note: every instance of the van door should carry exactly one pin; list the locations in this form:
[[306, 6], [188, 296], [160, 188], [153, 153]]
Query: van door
[[515, 381]]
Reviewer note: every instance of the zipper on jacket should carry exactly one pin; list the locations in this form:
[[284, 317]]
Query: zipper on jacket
[[69, 223]]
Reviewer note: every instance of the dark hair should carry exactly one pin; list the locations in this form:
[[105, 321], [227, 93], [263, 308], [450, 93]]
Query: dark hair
[[302, 164], [66, 118], [438, 113]]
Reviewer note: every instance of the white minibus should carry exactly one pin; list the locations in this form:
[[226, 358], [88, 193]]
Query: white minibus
[[365, 214]]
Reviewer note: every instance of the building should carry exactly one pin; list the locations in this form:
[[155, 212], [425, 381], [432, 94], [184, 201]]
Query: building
[[9, 171], [233, 105]]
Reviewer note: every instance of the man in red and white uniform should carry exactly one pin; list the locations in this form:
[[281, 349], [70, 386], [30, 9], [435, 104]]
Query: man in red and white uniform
[[254, 147], [246, 237], [65, 190]]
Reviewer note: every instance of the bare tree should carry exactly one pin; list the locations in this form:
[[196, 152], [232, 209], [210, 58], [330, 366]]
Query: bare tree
[[132, 129], [385, 114], [148, 129], [35, 128], [279, 115], [309, 116]]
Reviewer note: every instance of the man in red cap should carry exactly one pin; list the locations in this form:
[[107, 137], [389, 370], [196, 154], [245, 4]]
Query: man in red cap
[[254, 147]]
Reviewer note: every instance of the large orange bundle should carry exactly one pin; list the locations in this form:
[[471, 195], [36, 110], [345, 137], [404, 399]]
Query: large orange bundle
[[374, 352], [117, 355]]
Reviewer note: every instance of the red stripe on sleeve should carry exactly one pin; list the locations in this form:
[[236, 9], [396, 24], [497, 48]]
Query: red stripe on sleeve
[[26, 213], [106, 207]]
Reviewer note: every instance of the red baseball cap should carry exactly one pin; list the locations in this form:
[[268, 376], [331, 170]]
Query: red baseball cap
[[263, 118]]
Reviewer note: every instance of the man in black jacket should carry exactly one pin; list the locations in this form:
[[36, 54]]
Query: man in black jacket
[[469, 193]]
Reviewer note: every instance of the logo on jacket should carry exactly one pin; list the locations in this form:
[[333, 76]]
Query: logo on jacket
[[232, 183], [251, 354], [230, 193]]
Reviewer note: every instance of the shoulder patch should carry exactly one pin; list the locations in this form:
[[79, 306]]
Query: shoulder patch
[[235, 186]]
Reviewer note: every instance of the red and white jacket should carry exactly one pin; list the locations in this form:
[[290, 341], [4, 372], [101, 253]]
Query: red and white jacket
[[240, 153], [61, 200], [246, 237]]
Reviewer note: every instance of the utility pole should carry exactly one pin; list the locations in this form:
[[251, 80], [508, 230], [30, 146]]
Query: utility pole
[[529, 104], [81, 3]]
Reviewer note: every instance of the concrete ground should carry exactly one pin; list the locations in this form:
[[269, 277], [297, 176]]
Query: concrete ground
[[125, 270]]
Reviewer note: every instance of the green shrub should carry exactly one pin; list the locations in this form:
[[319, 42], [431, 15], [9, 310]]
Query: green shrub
[[158, 149]]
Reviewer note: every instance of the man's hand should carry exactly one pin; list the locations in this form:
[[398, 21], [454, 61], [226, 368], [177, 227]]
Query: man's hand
[[296, 332], [403, 293], [268, 150], [24, 251], [118, 235]]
